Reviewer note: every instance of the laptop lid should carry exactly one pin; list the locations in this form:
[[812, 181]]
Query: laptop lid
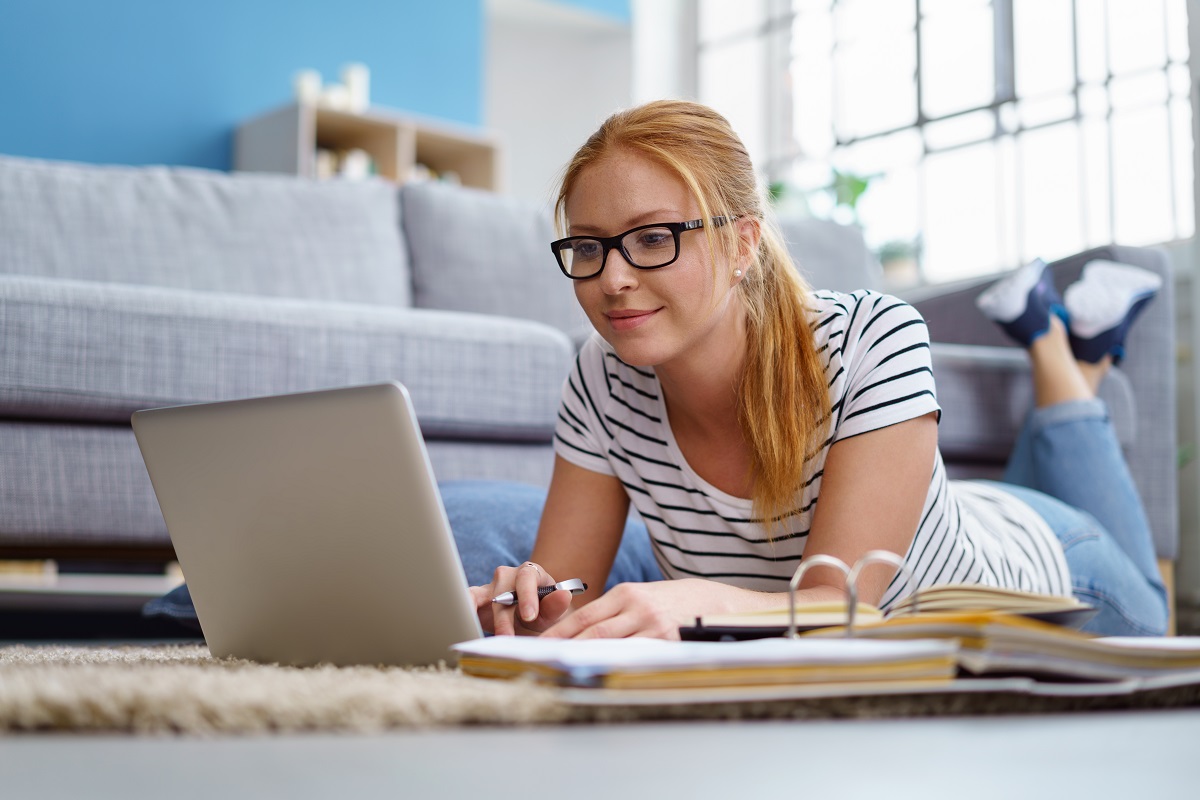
[[310, 528]]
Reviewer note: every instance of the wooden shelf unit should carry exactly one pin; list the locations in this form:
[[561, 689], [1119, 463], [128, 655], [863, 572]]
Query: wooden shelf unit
[[286, 140]]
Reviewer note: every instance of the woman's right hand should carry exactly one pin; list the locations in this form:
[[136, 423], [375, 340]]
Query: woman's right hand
[[528, 616]]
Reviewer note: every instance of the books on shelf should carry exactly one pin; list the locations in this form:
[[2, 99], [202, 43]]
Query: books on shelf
[[351, 164]]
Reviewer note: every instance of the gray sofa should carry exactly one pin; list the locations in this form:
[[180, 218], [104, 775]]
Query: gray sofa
[[983, 379], [124, 288]]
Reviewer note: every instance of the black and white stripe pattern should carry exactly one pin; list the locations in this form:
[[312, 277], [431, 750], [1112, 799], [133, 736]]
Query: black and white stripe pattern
[[876, 353]]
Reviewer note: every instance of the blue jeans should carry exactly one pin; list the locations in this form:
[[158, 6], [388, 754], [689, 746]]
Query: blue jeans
[[495, 524], [1068, 466]]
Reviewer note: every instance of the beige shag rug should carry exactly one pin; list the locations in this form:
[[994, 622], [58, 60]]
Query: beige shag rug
[[183, 689]]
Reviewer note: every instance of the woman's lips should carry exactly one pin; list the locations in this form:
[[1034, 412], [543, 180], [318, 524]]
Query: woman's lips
[[628, 319]]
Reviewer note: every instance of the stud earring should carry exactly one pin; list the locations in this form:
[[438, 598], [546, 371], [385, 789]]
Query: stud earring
[[737, 273]]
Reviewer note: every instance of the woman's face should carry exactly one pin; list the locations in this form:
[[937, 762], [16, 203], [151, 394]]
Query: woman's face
[[651, 317]]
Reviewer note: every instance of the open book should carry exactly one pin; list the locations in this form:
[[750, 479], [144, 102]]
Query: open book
[[947, 597], [995, 643], [639, 663], [967, 597]]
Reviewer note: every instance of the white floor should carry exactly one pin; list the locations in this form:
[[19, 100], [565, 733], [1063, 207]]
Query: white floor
[[1090, 755]]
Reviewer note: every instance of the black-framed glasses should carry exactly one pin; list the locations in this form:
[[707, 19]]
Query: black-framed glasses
[[645, 247]]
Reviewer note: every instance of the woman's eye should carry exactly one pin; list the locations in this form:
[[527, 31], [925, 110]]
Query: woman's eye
[[587, 250], [654, 238]]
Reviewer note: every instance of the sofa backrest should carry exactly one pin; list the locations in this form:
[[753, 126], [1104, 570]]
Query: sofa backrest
[[197, 229], [830, 255], [476, 251]]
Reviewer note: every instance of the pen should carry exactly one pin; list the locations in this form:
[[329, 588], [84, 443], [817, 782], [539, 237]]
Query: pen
[[573, 585]]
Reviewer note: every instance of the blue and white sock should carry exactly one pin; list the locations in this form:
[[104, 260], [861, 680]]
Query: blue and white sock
[[1102, 306], [1022, 302]]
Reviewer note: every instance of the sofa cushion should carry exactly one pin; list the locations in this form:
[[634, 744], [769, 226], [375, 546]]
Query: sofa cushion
[[196, 229], [831, 256], [476, 251], [83, 351], [986, 393], [86, 485]]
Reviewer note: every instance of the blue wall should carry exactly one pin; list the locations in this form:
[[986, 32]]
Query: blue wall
[[167, 81], [618, 10]]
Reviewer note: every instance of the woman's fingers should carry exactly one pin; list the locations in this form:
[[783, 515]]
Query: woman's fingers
[[626, 610], [529, 577], [597, 612], [523, 581], [552, 607]]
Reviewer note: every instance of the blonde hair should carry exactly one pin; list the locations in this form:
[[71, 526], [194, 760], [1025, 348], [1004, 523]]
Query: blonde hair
[[783, 396]]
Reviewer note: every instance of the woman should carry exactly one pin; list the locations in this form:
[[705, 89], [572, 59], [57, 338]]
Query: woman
[[751, 420]]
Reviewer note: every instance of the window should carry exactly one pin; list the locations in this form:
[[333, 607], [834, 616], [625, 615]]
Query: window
[[988, 132]]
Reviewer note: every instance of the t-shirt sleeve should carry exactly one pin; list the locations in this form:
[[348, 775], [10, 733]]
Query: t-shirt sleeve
[[889, 371], [580, 435]]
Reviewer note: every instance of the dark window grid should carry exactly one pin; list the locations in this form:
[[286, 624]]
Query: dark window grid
[[1005, 95]]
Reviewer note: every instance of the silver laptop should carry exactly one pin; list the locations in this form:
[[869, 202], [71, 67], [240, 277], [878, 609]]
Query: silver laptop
[[309, 527]]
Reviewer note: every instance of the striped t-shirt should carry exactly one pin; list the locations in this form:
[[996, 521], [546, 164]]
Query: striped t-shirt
[[613, 420]]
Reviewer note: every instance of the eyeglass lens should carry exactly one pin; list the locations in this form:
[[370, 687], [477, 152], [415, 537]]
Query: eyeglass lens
[[646, 248]]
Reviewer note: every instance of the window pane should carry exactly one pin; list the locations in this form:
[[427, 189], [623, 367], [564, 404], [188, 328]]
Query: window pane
[[1093, 101], [1050, 196], [863, 18], [811, 179], [1177, 30], [876, 84], [957, 71], [1092, 42], [889, 209], [720, 19], [1046, 110], [1096, 197], [1044, 60], [961, 212], [805, 6], [732, 81], [1180, 80], [1136, 35], [812, 82], [1141, 177], [1139, 91], [1010, 118], [876, 156], [967, 129], [1181, 130]]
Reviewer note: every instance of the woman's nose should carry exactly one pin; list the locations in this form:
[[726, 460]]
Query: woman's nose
[[618, 274]]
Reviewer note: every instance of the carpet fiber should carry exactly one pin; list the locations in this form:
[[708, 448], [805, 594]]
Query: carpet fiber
[[182, 689]]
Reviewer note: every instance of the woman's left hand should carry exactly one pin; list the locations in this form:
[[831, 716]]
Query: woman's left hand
[[655, 609]]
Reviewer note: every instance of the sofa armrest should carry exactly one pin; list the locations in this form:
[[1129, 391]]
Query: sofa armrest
[[1149, 366], [985, 394]]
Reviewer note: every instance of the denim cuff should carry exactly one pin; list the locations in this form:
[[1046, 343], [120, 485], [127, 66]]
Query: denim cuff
[[1070, 411]]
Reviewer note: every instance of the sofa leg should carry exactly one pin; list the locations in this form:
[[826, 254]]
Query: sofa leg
[[1167, 568]]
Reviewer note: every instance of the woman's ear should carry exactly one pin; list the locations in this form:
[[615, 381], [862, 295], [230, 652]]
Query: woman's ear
[[749, 232]]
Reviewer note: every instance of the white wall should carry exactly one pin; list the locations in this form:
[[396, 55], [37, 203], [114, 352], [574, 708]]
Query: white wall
[[664, 50], [553, 74]]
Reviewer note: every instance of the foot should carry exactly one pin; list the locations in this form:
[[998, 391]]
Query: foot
[[1021, 303], [1102, 306]]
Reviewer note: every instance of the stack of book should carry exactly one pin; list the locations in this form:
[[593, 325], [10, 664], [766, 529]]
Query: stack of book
[[947, 638]]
